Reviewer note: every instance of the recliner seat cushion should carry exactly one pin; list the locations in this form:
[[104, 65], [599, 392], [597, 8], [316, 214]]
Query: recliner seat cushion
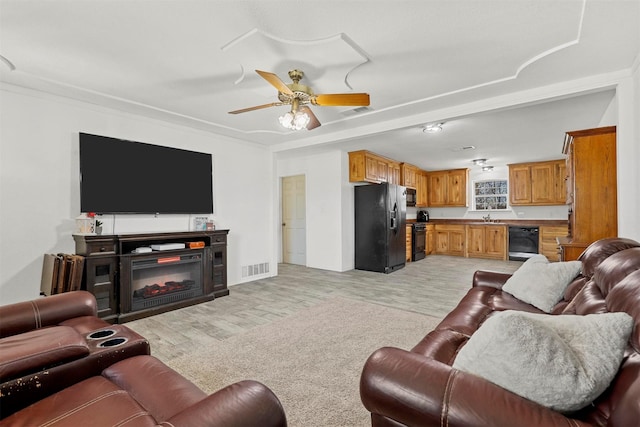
[[541, 283], [39, 349], [562, 362]]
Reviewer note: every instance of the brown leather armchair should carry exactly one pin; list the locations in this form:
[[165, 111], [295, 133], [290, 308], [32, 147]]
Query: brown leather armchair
[[50, 343], [421, 388], [61, 364], [142, 391]]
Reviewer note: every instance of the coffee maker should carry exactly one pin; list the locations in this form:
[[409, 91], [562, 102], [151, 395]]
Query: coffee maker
[[423, 216]]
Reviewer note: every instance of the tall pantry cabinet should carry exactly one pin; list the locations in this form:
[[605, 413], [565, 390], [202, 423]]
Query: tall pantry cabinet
[[591, 189]]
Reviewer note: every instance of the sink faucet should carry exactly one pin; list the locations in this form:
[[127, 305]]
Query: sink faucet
[[487, 218]]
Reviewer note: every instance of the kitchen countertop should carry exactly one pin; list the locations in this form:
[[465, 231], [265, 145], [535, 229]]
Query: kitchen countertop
[[516, 222]]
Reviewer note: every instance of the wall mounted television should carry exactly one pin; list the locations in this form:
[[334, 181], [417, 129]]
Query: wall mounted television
[[126, 177]]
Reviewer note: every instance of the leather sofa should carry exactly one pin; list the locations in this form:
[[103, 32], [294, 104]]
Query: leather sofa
[[61, 365], [421, 388]]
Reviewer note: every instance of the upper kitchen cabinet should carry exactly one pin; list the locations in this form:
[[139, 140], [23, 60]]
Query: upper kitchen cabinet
[[591, 188], [422, 194], [393, 174], [365, 166], [448, 187], [409, 175], [539, 183]]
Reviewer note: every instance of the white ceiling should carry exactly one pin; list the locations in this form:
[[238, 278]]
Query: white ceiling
[[509, 77]]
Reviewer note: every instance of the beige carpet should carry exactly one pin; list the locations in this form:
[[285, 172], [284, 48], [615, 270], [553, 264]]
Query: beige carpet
[[312, 359]]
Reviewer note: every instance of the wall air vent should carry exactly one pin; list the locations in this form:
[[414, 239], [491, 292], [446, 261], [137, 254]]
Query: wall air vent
[[255, 269]]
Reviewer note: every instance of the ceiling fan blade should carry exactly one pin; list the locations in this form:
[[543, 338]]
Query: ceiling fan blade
[[275, 82], [313, 120], [338, 99], [257, 107]]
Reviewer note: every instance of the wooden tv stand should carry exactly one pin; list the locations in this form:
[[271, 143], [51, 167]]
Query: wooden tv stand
[[108, 261]]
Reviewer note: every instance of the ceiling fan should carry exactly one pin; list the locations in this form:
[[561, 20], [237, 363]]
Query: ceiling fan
[[299, 96]]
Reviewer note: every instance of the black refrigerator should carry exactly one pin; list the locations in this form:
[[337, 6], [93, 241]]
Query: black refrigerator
[[380, 218]]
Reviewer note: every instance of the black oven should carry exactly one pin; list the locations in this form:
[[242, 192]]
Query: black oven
[[418, 241]]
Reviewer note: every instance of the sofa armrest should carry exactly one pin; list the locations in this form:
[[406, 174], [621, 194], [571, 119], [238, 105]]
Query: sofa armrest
[[47, 311], [490, 278], [417, 391], [245, 403]]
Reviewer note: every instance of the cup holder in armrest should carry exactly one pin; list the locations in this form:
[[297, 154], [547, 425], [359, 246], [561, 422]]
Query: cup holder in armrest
[[103, 333], [113, 342]]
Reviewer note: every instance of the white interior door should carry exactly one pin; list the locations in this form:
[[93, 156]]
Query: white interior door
[[294, 233]]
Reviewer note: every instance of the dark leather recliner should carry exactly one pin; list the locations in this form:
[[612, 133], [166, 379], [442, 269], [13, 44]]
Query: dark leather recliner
[[421, 388], [61, 364]]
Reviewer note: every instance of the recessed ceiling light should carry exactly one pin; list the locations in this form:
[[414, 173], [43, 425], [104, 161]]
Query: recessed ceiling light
[[432, 128], [479, 162], [487, 169]]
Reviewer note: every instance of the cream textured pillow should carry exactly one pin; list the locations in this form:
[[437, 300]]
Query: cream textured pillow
[[562, 362], [540, 282]]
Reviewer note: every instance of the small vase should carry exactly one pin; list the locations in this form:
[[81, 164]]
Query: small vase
[[98, 229]]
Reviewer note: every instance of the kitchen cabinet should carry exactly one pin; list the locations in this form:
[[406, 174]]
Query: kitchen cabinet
[[430, 242], [591, 188], [393, 172], [422, 194], [548, 244], [486, 241], [408, 175], [448, 187], [537, 184], [365, 166], [450, 239]]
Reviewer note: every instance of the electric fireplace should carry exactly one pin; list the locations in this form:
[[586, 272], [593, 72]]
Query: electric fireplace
[[163, 279], [185, 268], [160, 279]]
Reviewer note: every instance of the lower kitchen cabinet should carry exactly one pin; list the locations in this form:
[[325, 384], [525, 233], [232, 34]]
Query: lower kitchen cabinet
[[450, 239], [486, 241], [548, 245], [430, 242]]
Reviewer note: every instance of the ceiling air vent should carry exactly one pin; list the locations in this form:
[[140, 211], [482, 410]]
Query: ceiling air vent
[[463, 148], [355, 111]]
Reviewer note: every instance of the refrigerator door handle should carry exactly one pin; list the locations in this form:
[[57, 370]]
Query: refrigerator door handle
[[394, 217]]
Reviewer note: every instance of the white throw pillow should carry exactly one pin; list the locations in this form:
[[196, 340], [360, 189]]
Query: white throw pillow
[[562, 362], [540, 282]]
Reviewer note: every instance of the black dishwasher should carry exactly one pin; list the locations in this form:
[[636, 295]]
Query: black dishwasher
[[523, 242]]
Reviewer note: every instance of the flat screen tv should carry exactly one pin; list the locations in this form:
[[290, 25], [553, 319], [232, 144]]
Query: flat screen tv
[[119, 176]]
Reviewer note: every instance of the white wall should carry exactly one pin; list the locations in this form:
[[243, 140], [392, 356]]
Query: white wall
[[324, 199], [628, 146], [39, 185]]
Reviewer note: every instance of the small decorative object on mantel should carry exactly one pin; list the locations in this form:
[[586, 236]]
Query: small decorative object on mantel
[[200, 223], [85, 223], [210, 225]]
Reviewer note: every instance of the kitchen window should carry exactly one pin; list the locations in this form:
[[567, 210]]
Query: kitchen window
[[490, 195]]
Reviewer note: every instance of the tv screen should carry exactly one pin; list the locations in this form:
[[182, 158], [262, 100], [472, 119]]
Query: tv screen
[[120, 176]]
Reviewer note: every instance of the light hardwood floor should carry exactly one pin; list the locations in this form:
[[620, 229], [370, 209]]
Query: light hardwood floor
[[432, 286]]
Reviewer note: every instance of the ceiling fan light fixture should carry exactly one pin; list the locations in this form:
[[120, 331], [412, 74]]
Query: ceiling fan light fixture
[[294, 121]]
